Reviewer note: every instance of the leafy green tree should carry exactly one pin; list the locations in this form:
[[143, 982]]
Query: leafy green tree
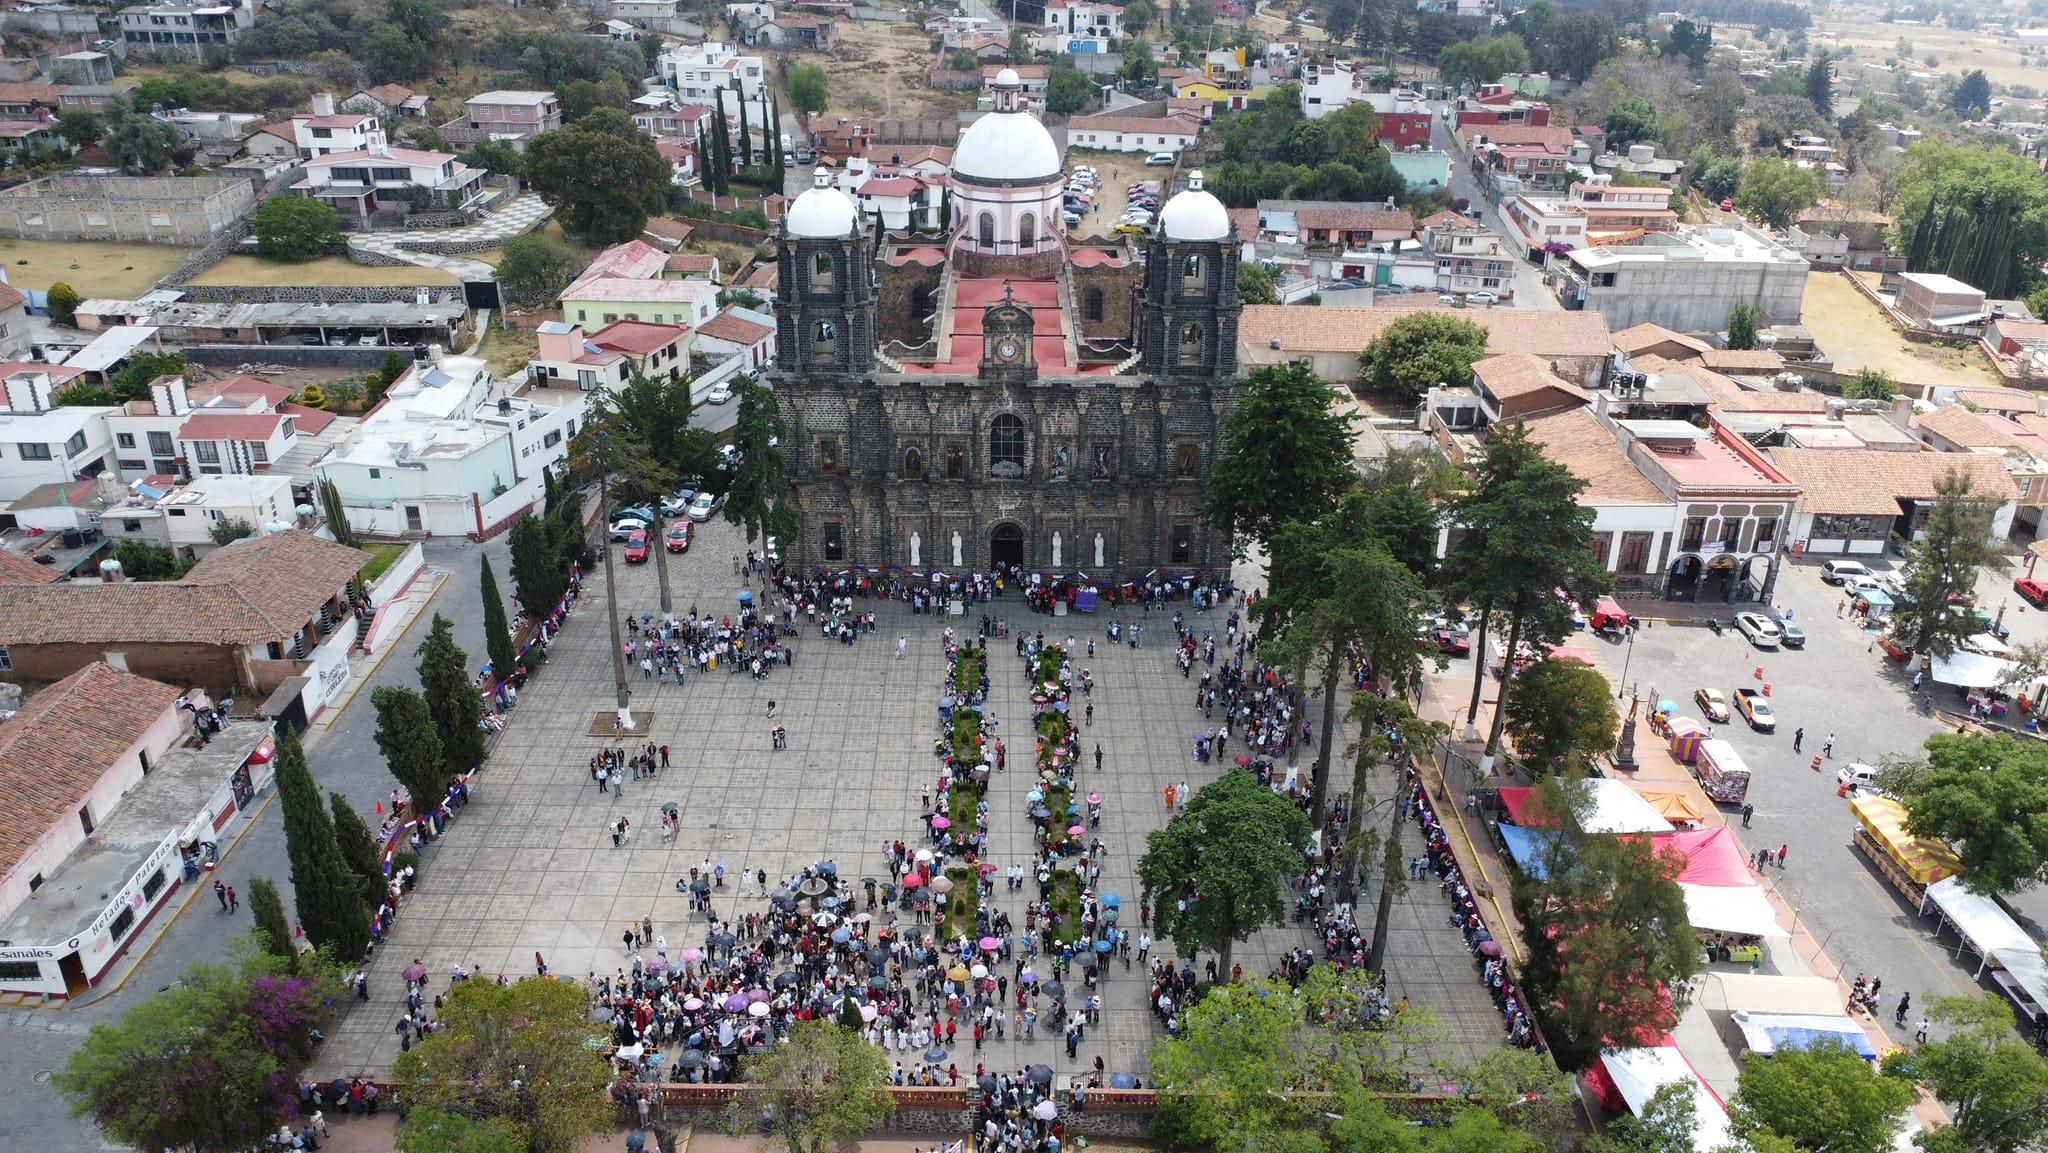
[[1632, 121], [651, 447], [1420, 351], [497, 630], [346, 392], [1688, 41], [581, 97], [1212, 875], [1610, 948], [602, 174], [392, 56], [497, 156], [273, 929], [80, 127], [358, 846], [230, 530], [1974, 211], [822, 1086], [411, 746], [1286, 454], [138, 142], [295, 228], [1994, 1085], [453, 699], [132, 380], [429, 1130], [327, 890], [1774, 192], [1562, 717], [1986, 795], [1255, 284], [759, 500], [1971, 99], [1871, 384], [142, 561], [1475, 62], [207, 1064], [807, 88], [1068, 90], [539, 574], [1942, 565], [423, 20], [1579, 43], [1718, 177], [1820, 85], [1823, 1098], [1352, 132], [1666, 1125], [720, 162], [1138, 16], [1742, 324], [513, 1053], [62, 303], [1526, 1090], [534, 270]]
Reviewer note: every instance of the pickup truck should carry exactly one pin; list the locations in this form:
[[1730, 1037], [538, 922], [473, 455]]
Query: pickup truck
[[1756, 710]]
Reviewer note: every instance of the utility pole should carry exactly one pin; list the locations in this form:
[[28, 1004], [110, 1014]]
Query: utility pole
[[611, 599]]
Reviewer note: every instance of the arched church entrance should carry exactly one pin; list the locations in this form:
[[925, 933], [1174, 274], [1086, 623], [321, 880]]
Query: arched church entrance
[[1006, 546]]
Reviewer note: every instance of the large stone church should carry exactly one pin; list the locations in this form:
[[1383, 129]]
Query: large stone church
[[1005, 395]]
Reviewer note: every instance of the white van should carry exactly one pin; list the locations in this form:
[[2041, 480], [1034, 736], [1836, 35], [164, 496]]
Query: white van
[[1837, 572]]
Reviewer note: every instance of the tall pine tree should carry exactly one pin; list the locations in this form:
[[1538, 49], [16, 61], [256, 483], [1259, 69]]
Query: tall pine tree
[[746, 137], [273, 930], [497, 631], [774, 129], [330, 908], [721, 150], [458, 712], [411, 747], [358, 846]]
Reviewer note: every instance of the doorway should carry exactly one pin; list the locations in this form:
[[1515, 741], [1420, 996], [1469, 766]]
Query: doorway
[[73, 971], [1006, 546]]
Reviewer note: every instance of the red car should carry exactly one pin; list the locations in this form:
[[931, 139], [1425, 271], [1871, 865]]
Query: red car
[[636, 546], [2032, 591], [679, 536], [1454, 642]]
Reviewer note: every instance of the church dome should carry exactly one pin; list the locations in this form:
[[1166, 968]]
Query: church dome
[[822, 212], [1008, 144], [1194, 214]]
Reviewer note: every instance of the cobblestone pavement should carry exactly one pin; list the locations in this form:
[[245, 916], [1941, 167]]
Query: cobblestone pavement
[[525, 213], [529, 866]]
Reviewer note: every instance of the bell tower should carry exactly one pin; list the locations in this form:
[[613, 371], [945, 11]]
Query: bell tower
[[825, 290], [1188, 305]]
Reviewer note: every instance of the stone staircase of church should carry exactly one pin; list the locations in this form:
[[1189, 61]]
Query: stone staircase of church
[[888, 361]]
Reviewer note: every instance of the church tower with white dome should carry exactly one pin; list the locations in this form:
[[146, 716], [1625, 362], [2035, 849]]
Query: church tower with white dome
[[825, 292], [1187, 314], [1008, 187]]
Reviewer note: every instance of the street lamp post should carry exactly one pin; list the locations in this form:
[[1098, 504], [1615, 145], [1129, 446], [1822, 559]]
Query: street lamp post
[[623, 696], [1622, 691]]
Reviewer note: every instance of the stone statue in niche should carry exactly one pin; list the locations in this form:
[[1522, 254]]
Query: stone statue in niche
[[1055, 550], [1101, 462], [1059, 463], [1098, 550], [957, 562], [916, 546]]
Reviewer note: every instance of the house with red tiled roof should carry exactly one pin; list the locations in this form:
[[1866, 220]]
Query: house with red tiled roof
[[739, 332], [18, 569], [567, 357], [1110, 132]]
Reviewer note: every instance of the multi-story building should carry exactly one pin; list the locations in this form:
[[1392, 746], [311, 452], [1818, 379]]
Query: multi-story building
[[1085, 18], [42, 442], [1685, 280], [185, 28], [1591, 213], [1470, 258], [327, 132], [358, 183], [182, 519], [698, 71], [508, 114]]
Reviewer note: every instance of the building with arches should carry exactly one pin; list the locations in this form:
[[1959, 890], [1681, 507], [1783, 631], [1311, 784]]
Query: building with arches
[[1006, 395]]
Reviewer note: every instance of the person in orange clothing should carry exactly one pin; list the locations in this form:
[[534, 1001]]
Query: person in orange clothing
[[1169, 798]]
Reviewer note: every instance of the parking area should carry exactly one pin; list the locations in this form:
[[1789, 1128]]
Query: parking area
[[1116, 171]]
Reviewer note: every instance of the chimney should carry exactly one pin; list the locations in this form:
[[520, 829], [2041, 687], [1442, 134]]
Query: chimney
[[323, 103], [168, 394], [28, 392]]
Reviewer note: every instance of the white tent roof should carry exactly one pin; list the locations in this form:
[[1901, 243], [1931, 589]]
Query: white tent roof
[[1757, 993], [1639, 1073], [1619, 809], [1756, 1029], [1995, 935], [1731, 909], [1971, 670]]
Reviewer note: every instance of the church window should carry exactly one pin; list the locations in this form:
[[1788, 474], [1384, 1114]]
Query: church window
[[1191, 344], [825, 345], [828, 455], [956, 462], [986, 229], [1181, 549], [1006, 447], [913, 463], [1091, 304], [821, 272], [832, 538], [1187, 459], [1027, 231], [1194, 280]]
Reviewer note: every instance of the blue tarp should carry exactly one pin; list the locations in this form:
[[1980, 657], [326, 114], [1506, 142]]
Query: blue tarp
[[1807, 1038], [1527, 848]]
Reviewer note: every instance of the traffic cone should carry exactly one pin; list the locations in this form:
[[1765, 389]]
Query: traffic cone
[[1757, 673], [1816, 762], [380, 808], [298, 930], [1842, 790], [1767, 688]]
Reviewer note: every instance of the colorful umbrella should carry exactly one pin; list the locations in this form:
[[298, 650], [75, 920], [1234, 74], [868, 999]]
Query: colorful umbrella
[[912, 881], [758, 1009], [1111, 901], [942, 884], [942, 822], [990, 944]]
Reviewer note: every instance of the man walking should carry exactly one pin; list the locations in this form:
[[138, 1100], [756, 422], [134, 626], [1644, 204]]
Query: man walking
[[220, 891], [1747, 811], [1920, 1034], [1827, 747], [234, 902], [1782, 850], [1798, 735], [1899, 1015], [1098, 756]]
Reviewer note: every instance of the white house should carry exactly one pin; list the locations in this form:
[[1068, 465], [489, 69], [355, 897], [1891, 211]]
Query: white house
[[451, 451], [358, 183], [739, 332], [696, 71], [326, 131], [41, 443], [146, 433], [1083, 18], [183, 518], [1148, 134]]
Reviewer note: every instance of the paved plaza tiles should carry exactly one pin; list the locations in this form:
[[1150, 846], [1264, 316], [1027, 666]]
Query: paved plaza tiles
[[529, 866]]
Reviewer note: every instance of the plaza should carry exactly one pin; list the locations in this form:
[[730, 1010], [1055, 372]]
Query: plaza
[[529, 866]]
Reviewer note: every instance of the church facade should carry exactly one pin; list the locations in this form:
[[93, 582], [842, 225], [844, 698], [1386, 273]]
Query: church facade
[[1007, 396]]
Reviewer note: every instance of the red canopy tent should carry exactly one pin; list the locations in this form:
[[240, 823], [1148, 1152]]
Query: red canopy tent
[[1711, 856]]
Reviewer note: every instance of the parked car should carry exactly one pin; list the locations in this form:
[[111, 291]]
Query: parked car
[[677, 505], [1840, 571], [720, 393], [625, 527], [633, 512], [700, 508], [1482, 298], [679, 536], [1759, 629], [1756, 710], [1130, 229], [2032, 591], [636, 546], [1712, 702], [1160, 160], [1857, 775], [1454, 641]]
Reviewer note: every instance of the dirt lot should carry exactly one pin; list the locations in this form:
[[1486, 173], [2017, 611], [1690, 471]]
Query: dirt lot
[[113, 271], [1855, 334], [1958, 52], [881, 70], [326, 270], [1117, 169]]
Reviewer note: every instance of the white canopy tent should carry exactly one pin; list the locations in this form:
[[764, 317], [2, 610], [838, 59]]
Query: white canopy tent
[[1766, 1033], [1639, 1073], [1989, 932], [1619, 809], [1970, 670], [1758, 993], [1731, 909]]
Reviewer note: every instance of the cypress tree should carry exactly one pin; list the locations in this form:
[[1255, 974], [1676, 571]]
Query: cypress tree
[[721, 150], [497, 631], [358, 846], [458, 713], [538, 570], [746, 137], [774, 134], [411, 747], [329, 909], [273, 931]]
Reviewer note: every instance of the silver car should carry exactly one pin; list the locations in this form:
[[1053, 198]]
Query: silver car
[[1761, 630]]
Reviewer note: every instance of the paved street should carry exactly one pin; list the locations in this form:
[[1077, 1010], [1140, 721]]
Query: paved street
[[529, 865]]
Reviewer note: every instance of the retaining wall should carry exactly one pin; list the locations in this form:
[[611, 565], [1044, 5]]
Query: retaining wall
[[317, 293], [352, 356]]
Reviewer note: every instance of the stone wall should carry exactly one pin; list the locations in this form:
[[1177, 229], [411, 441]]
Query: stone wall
[[317, 293], [128, 209], [1119, 289], [233, 356], [212, 254], [213, 666], [905, 295]]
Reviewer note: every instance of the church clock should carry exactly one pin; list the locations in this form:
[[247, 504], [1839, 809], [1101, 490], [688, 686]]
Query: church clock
[[1006, 353]]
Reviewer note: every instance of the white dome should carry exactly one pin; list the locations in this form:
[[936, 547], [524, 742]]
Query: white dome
[[1008, 77], [822, 212], [1194, 214], [1003, 146]]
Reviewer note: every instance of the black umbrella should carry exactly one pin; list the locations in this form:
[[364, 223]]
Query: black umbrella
[[782, 900], [1040, 1074], [692, 1058], [878, 957], [723, 940], [700, 886], [1052, 988], [786, 979]]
